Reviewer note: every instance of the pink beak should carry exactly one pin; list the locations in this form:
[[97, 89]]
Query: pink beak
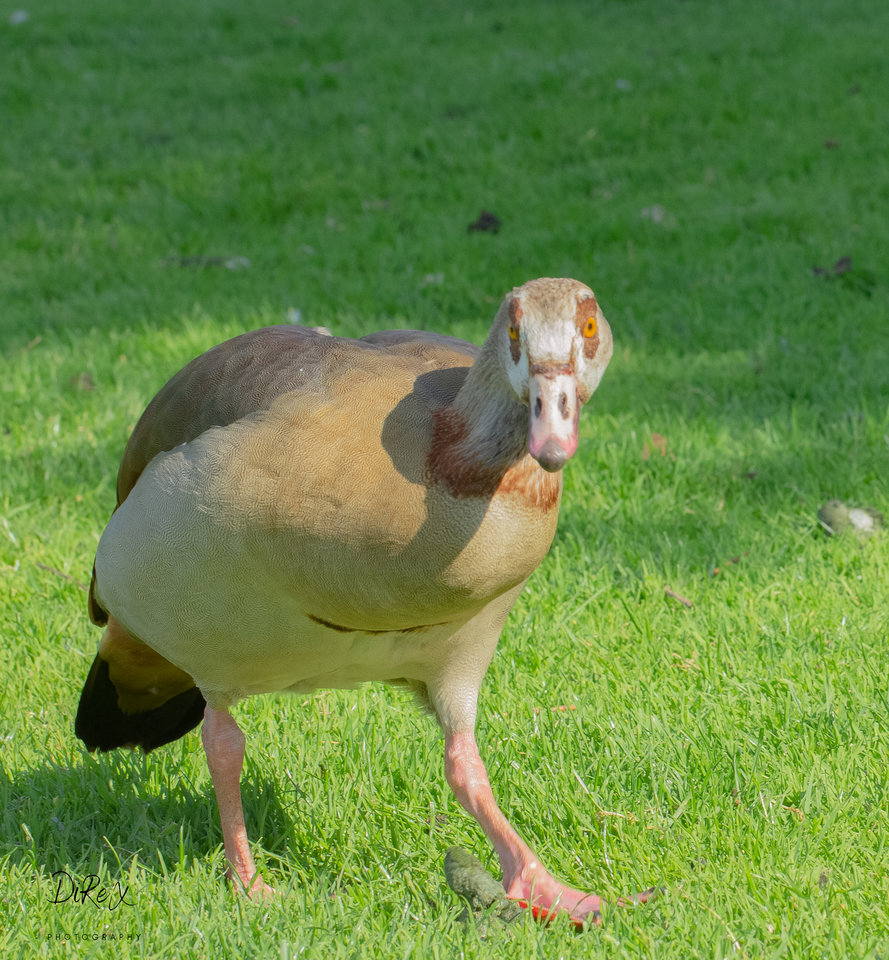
[[552, 431]]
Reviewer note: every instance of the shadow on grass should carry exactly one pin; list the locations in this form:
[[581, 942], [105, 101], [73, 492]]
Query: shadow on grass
[[117, 809]]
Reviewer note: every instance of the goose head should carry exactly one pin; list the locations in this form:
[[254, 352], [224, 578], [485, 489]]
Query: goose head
[[554, 343]]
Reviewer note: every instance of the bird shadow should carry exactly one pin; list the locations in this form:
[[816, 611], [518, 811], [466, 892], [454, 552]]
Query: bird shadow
[[118, 808]]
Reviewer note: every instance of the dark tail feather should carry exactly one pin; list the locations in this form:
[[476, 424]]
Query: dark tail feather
[[102, 725]]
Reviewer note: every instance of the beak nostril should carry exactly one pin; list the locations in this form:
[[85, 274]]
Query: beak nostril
[[563, 406], [538, 406]]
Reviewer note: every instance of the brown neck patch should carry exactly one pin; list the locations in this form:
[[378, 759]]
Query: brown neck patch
[[450, 462], [486, 474]]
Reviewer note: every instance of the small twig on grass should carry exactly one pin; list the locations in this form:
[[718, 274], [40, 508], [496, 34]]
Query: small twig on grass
[[620, 816], [675, 596], [762, 800], [64, 576]]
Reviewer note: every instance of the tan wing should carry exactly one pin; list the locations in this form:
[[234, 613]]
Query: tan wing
[[245, 375]]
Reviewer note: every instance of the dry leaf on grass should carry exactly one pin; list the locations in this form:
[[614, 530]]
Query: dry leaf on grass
[[657, 442]]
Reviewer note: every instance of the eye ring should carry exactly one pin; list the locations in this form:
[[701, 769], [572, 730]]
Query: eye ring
[[513, 331], [590, 327]]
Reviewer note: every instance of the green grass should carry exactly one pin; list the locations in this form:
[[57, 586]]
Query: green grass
[[674, 156]]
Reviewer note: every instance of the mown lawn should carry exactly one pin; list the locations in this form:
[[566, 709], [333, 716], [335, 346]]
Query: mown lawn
[[172, 174]]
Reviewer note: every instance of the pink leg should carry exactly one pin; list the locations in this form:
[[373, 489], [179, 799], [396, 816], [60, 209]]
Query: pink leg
[[524, 876], [224, 745]]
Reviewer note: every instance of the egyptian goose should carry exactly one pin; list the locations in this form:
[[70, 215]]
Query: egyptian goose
[[297, 510]]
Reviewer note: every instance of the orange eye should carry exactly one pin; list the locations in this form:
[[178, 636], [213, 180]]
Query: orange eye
[[513, 332], [590, 327]]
